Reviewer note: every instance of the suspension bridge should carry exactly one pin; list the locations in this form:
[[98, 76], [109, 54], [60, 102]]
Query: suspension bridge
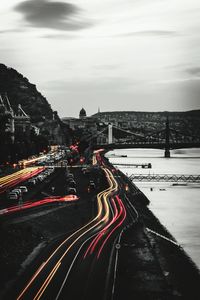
[[167, 139]]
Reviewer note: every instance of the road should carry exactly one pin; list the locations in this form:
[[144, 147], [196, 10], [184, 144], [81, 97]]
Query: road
[[9, 181], [83, 265]]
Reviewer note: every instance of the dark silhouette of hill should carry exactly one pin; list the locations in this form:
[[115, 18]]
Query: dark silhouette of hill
[[21, 91]]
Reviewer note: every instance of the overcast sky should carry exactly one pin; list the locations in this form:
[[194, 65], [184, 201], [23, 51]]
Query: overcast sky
[[112, 54]]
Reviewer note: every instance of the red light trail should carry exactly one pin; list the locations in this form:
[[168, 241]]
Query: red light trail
[[27, 205], [13, 179]]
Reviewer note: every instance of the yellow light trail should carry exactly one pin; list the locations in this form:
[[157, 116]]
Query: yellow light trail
[[102, 199], [12, 178]]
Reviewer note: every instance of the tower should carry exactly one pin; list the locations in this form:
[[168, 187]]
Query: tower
[[110, 134], [22, 122], [82, 113], [7, 109], [167, 144]]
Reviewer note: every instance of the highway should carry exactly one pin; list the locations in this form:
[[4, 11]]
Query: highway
[[108, 253], [15, 178], [83, 265]]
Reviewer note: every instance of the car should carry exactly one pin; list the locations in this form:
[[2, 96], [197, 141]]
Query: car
[[72, 183], [86, 171], [17, 191], [32, 181], [71, 190], [23, 188], [70, 175], [91, 186], [40, 177], [92, 183], [13, 196], [70, 178]]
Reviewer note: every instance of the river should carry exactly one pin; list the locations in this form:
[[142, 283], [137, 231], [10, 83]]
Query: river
[[176, 206]]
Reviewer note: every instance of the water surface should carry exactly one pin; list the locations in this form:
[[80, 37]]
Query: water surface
[[177, 207]]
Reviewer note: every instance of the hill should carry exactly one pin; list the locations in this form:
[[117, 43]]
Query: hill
[[187, 122], [21, 91]]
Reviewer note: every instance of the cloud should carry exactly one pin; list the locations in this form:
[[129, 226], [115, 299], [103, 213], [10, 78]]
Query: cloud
[[53, 15], [159, 33], [10, 31], [194, 71], [92, 85], [60, 36]]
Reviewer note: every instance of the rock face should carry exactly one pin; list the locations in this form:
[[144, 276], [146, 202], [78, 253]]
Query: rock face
[[21, 91]]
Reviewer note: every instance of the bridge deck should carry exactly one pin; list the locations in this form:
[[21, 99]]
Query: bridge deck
[[149, 166], [165, 178]]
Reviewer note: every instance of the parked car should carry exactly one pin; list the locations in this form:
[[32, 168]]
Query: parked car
[[17, 191], [91, 186], [13, 196], [71, 190], [23, 188], [72, 183], [32, 181], [85, 171], [70, 175]]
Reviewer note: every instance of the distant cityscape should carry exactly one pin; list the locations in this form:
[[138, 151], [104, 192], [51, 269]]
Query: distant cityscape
[[29, 125]]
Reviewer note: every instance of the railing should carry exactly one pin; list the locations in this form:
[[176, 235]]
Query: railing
[[165, 178]]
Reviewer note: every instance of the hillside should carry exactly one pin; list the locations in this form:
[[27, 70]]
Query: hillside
[[21, 91], [187, 122]]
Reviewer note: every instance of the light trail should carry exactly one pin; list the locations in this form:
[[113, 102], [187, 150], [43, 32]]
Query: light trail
[[123, 210], [93, 244], [26, 162], [70, 268], [27, 205], [91, 225], [110, 216], [13, 179]]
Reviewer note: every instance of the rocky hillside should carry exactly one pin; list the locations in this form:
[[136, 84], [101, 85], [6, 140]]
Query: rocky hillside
[[21, 91]]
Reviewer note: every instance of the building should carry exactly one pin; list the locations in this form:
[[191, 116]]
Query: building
[[82, 114], [18, 122], [22, 122], [83, 122]]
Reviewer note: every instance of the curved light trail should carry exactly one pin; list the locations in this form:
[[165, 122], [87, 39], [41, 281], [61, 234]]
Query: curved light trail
[[110, 216]]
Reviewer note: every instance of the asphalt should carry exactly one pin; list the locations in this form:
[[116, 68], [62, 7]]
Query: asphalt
[[142, 260]]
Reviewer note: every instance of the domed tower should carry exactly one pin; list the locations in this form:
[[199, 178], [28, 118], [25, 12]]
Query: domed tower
[[82, 113]]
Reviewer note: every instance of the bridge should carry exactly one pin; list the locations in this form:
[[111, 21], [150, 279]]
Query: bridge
[[143, 166], [167, 139], [165, 178]]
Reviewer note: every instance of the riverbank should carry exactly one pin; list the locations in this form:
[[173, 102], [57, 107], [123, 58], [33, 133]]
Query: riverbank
[[151, 264], [176, 206]]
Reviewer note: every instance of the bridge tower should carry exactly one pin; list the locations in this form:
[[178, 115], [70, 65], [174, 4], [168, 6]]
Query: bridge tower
[[167, 144], [110, 134]]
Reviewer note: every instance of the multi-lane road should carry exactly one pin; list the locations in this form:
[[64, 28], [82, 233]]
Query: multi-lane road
[[9, 181], [83, 265]]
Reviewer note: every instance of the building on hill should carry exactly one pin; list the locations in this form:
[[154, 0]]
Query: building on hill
[[82, 113], [18, 123], [83, 122], [22, 122]]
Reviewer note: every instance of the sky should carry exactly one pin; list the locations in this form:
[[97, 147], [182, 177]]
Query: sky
[[141, 55]]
